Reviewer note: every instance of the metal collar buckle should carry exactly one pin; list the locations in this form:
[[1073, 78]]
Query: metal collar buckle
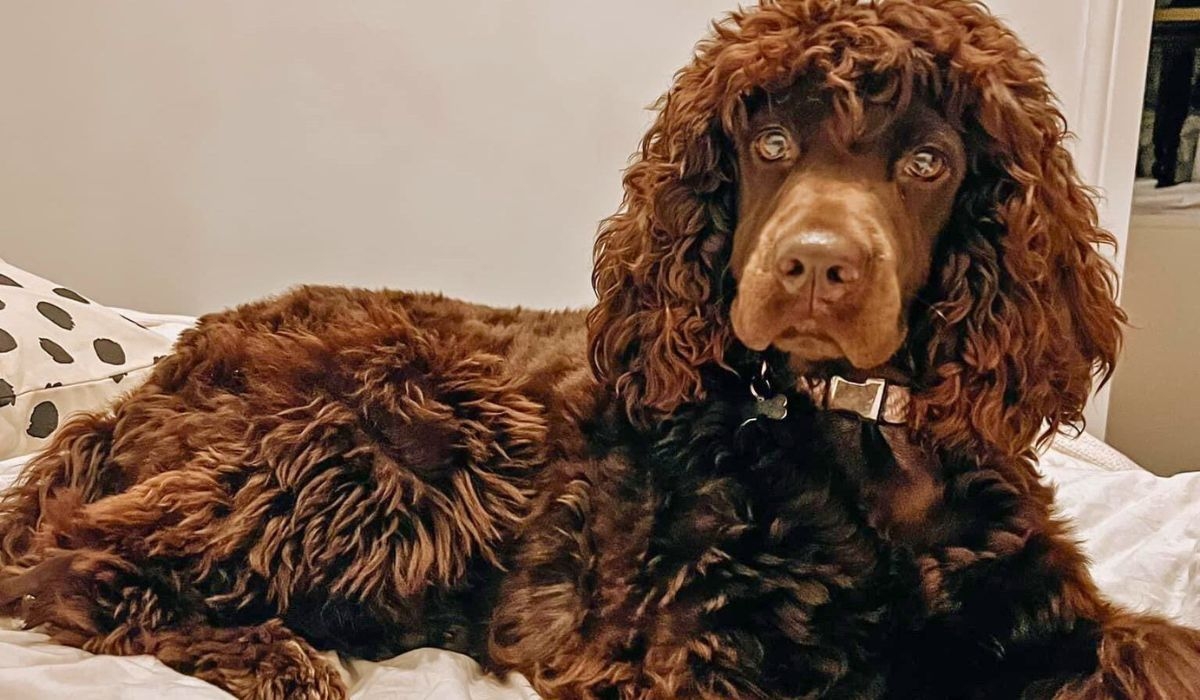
[[865, 399], [874, 399]]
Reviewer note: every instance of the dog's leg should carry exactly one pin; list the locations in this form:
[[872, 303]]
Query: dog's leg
[[106, 577], [1015, 613], [548, 623], [71, 471], [106, 605], [1141, 657]]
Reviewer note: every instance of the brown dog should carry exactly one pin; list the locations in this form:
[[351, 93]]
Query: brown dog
[[854, 280]]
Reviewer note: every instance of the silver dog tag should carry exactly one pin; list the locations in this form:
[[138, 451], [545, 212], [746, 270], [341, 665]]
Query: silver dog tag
[[774, 408]]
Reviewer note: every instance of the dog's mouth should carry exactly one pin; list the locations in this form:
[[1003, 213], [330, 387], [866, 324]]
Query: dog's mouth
[[808, 341], [806, 346], [863, 340]]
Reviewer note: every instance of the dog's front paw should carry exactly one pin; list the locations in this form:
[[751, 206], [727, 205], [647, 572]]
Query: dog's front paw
[[274, 664], [296, 672]]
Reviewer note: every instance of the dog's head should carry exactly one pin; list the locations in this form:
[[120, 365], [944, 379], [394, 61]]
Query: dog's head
[[871, 189], [836, 224]]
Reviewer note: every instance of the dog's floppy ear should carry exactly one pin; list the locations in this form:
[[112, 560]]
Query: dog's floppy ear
[[659, 317], [1029, 301]]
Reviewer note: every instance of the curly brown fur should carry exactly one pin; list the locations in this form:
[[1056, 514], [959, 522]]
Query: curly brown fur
[[373, 471], [346, 462], [713, 562]]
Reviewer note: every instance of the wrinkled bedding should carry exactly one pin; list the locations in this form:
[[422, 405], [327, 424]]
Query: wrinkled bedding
[[1142, 533]]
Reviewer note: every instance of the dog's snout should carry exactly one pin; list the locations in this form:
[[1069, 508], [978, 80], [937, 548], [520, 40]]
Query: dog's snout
[[825, 264]]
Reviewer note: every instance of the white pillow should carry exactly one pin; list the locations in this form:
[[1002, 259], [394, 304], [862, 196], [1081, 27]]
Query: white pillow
[[59, 354]]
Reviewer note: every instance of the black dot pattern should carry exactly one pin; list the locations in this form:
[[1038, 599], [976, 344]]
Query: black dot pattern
[[56, 315], [56, 351], [109, 351], [47, 369], [68, 294], [43, 420]]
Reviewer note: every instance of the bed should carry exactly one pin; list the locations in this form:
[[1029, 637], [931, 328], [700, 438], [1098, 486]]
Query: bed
[[1141, 531]]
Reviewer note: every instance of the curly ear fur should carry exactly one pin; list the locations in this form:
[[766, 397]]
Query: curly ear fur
[[1028, 301], [659, 317]]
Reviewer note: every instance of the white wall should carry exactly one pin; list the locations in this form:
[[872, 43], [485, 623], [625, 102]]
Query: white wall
[[179, 156], [1156, 389]]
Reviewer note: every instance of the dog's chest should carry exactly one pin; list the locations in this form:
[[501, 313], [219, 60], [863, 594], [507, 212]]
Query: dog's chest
[[766, 552]]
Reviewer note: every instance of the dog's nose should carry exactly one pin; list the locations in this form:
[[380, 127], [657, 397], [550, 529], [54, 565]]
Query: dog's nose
[[821, 263]]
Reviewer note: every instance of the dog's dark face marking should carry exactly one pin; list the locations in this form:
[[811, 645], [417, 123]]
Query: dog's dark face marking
[[836, 231]]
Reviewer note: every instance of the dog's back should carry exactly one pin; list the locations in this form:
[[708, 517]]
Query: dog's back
[[348, 461]]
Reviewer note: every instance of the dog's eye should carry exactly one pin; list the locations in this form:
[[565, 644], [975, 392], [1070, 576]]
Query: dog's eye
[[925, 164], [773, 144]]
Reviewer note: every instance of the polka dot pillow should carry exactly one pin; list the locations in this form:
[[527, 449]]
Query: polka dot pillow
[[61, 353]]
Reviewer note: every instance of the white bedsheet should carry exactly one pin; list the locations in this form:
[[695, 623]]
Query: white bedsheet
[[1141, 531]]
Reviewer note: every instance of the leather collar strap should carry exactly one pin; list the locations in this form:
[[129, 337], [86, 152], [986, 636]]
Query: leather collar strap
[[874, 400]]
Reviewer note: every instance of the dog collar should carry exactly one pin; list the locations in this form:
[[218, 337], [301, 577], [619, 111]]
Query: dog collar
[[875, 400]]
